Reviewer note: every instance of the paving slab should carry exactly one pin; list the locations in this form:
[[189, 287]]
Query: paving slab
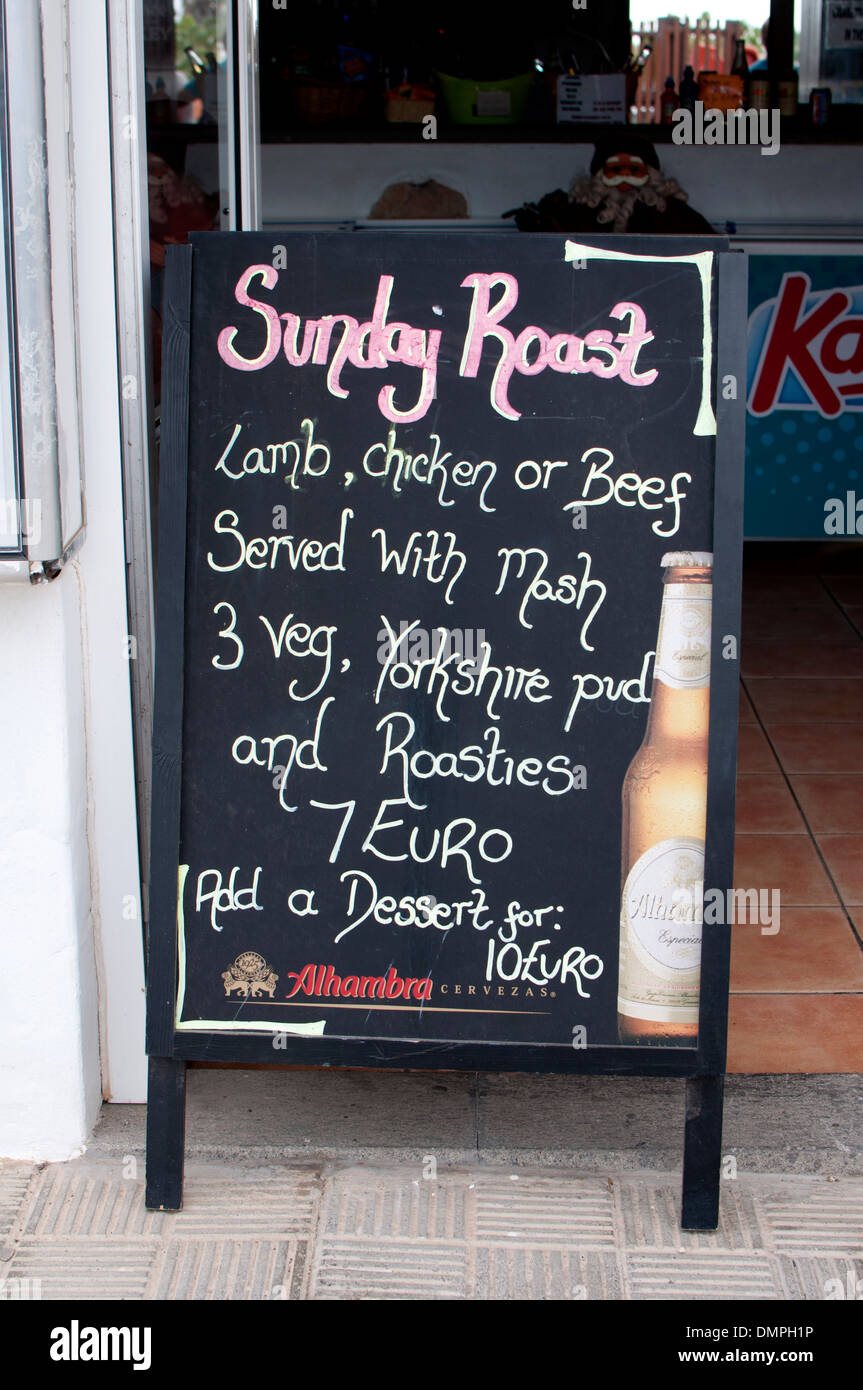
[[330, 1186], [357, 1231]]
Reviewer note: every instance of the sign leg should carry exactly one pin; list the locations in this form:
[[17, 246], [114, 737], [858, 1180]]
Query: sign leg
[[166, 1133], [701, 1153]]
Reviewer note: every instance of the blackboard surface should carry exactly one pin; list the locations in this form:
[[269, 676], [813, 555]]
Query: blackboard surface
[[409, 595]]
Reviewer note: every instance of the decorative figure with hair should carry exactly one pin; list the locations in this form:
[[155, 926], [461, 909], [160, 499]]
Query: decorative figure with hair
[[626, 191]]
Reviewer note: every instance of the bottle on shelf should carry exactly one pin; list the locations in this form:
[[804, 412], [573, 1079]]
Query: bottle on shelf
[[637, 62], [688, 89], [787, 92], [669, 102], [759, 90], [740, 68], [819, 106]]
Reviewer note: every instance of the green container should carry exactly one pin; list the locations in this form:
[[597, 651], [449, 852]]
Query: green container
[[501, 102]]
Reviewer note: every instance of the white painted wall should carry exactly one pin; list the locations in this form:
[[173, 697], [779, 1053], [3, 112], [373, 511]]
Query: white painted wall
[[72, 955], [102, 566], [49, 1074]]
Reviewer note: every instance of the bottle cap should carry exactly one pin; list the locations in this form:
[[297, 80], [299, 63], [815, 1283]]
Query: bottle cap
[[688, 558]]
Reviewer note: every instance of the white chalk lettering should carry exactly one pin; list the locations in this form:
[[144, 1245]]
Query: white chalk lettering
[[226, 898], [567, 589], [629, 489], [421, 910], [302, 753], [264, 551], [443, 673], [491, 764], [590, 687], [430, 557], [302, 641], [432, 469]]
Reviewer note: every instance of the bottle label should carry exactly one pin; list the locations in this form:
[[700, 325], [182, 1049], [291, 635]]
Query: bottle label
[[660, 932], [683, 646]]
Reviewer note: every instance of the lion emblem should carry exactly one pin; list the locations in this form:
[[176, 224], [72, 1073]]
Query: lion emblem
[[249, 976]]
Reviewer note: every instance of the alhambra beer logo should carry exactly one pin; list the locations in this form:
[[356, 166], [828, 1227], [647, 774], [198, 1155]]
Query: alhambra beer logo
[[250, 976], [806, 349], [323, 982]]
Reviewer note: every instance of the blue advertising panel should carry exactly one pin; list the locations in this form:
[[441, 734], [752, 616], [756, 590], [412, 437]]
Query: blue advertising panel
[[804, 396]]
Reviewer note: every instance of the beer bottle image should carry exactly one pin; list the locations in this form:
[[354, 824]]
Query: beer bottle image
[[664, 815]]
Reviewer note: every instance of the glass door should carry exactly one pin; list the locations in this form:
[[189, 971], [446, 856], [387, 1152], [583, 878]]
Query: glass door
[[184, 76], [201, 80]]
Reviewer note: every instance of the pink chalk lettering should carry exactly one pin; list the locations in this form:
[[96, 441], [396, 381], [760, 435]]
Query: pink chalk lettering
[[602, 352], [227, 352], [335, 341], [633, 341], [298, 357], [484, 324]]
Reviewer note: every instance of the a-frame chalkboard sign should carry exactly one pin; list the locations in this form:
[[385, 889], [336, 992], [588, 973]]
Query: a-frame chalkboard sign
[[447, 677]]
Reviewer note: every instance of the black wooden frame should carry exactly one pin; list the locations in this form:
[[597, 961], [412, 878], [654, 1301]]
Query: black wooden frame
[[702, 1066]]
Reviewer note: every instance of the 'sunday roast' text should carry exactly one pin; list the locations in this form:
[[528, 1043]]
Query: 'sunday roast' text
[[335, 340]]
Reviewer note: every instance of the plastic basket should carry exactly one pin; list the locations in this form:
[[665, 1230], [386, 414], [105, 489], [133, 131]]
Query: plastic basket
[[502, 102]]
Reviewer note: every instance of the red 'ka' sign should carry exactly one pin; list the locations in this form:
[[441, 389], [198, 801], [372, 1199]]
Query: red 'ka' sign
[[817, 337]]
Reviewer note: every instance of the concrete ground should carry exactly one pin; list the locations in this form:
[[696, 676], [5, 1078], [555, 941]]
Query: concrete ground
[[388, 1185]]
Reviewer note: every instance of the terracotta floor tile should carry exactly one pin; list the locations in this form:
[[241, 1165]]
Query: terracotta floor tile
[[760, 586], [832, 802], [790, 623], [837, 659], [847, 588], [802, 701], [765, 806], [819, 558], [745, 712], [856, 915], [838, 557], [754, 753], [814, 951], [795, 1033], [817, 747], [854, 614], [844, 856], [787, 862]]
